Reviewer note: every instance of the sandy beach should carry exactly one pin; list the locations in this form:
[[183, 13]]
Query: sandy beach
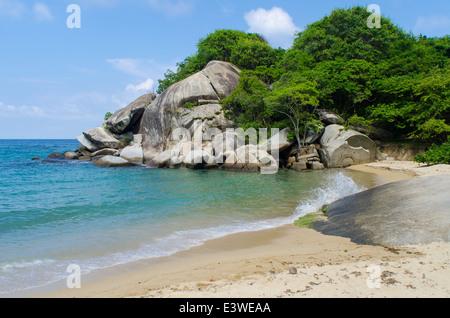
[[285, 262]]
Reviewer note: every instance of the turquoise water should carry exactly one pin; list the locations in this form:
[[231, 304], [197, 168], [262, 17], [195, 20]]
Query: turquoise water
[[71, 212]]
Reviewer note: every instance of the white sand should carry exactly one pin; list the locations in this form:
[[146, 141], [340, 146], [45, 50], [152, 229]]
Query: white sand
[[423, 271]]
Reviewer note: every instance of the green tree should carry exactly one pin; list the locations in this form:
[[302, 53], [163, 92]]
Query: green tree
[[296, 99], [246, 105]]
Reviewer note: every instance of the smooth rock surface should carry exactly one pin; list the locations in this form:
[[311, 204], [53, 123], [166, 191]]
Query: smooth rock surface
[[344, 148], [278, 142], [409, 212], [105, 152], [133, 153], [162, 159], [216, 81], [87, 143], [112, 161], [101, 138], [125, 119]]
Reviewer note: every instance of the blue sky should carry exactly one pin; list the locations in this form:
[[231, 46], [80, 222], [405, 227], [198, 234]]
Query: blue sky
[[56, 82]]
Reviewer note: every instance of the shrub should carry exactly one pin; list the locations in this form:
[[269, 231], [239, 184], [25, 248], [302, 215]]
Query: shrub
[[107, 115], [436, 154]]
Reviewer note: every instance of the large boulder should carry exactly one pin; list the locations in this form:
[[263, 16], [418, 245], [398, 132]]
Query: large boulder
[[127, 118], [224, 77], [250, 158], [343, 148], [101, 138], [162, 159], [224, 143], [375, 133], [407, 212], [112, 161], [86, 143], [328, 117], [197, 159], [278, 142], [105, 152], [56, 155], [133, 153], [71, 155], [216, 81], [211, 115]]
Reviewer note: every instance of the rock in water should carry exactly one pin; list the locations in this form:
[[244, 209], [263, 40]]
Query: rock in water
[[112, 161], [56, 155], [87, 143], [71, 155], [133, 153], [101, 138], [105, 152], [161, 160]]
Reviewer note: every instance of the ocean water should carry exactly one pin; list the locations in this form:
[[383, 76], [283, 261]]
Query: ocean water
[[71, 212]]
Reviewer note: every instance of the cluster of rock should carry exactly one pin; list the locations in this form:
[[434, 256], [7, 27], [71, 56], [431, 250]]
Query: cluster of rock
[[333, 146], [186, 127]]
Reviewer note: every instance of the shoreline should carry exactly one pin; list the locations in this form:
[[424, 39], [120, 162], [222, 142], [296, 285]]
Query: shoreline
[[225, 267]]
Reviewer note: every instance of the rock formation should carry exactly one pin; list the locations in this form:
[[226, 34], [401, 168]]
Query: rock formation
[[407, 212], [185, 126], [127, 119], [181, 103], [343, 148]]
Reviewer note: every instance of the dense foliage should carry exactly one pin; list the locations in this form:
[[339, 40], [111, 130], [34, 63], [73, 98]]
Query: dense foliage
[[435, 155], [383, 77], [245, 50]]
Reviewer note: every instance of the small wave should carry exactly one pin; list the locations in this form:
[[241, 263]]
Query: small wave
[[338, 186], [14, 266]]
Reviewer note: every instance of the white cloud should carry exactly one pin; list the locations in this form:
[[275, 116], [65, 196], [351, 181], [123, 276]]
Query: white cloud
[[141, 69], [436, 23], [20, 111], [42, 12], [12, 8], [147, 85], [276, 25], [7, 108]]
